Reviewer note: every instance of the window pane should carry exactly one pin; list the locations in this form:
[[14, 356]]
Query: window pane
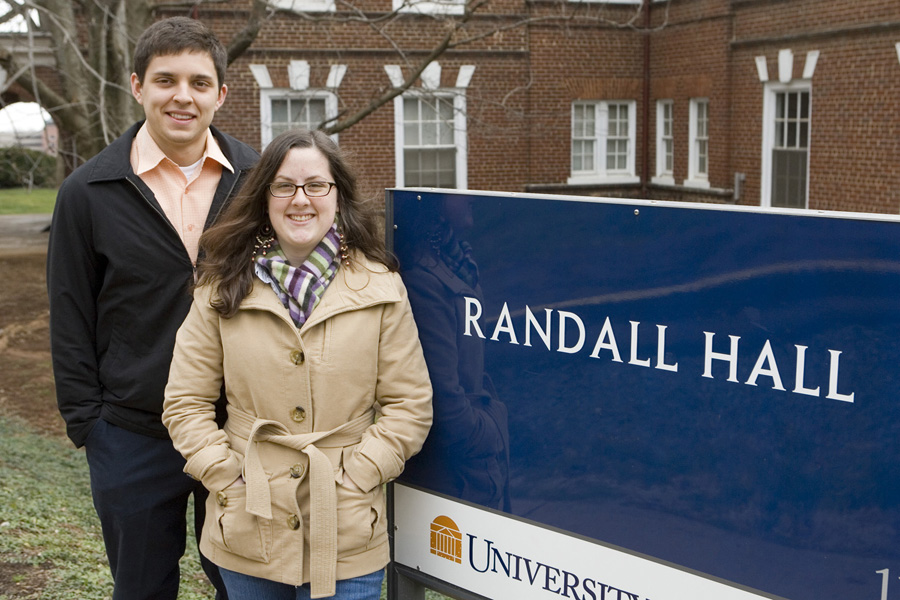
[[702, 157], [428, 161], [279, 111], [446, 174], [618, 120], [410, 109], [411, 134], [789, 178], [791, 140], [411, 168], [582, 155], [583, 121], [316, 112], [445, 131], [429, 134], [430, 168], [616, 155], [298, 112], [445, 109], [428, 110], [429, 140]]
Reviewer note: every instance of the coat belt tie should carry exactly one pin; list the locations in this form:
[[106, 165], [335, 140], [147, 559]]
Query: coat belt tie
[[322, 490]]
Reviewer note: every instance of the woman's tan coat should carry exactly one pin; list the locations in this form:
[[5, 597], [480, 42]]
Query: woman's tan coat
[[358, 354]]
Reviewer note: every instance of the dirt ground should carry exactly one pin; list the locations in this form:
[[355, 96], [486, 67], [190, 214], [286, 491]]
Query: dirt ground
[[26, 380]]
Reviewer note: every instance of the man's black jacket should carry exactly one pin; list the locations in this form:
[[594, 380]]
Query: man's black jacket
[[118, 276]]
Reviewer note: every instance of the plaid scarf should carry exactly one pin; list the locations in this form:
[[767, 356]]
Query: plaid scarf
[[301, 288]]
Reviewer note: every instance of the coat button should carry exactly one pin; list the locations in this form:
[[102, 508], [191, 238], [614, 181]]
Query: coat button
[[298, 415], [293, 522], [297, 357], [221, 498], [297, 471]]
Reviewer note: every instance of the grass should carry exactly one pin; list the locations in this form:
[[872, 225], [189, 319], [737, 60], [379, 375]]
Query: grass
[[48, 527], [20, 201]]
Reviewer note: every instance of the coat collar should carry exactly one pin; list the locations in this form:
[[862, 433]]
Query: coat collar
[[114, 161], [361, 285]]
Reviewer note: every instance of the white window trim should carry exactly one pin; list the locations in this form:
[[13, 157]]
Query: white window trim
[[614, 1], [632, 2], [599, 173], [304, 6], [663, 177], [460, 135], [696, 179], [265, 107], [428, 7], [770, 90]]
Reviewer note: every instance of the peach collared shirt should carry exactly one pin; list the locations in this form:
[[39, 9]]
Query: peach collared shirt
[[185, 202]]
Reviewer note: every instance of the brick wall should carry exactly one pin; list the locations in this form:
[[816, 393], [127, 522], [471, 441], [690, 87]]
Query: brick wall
[[526, 78]]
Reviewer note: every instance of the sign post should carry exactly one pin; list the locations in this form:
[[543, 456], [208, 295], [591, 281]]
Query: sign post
[[650, 400]]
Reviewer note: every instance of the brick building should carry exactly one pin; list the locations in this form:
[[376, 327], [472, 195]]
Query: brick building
[[760, 102]]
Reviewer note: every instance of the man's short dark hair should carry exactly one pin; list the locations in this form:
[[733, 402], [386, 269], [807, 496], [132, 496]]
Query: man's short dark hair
[[174, 36]]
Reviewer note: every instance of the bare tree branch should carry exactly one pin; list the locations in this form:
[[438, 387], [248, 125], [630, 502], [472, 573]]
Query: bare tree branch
[[93, 40], [14, 11], [259, 14]]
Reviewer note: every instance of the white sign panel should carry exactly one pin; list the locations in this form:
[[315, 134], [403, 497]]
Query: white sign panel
[[500, 558]]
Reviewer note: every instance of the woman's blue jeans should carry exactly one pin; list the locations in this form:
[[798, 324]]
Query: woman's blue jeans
[[246, 587]]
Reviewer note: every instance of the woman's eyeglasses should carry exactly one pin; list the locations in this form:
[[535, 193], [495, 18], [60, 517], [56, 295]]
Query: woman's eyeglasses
[[313, 189]]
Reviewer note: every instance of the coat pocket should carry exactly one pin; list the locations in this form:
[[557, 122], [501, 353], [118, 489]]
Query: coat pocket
[[361, 519], [238, 531]]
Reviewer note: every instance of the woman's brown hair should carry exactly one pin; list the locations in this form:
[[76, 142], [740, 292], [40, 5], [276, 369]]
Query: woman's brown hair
[[227, 247]]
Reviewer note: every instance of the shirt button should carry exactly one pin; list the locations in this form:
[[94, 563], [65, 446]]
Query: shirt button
[[297, 357], [221, 498], [298, 415], [293, 521], [297, 471]]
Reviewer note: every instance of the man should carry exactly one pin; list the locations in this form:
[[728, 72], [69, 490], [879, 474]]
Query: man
[[122, 253]]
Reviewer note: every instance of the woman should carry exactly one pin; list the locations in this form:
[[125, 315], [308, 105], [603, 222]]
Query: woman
[[467, 452], [298, 316]]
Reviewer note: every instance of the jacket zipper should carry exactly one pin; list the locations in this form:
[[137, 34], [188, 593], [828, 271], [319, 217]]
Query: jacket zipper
[[237, 177], [169, 223], [158, 211]]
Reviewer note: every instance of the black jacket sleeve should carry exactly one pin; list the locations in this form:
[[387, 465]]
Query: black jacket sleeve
[[74, 275]]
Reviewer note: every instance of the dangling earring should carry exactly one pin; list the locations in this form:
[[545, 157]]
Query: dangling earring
[[344, 250], [264, 240]]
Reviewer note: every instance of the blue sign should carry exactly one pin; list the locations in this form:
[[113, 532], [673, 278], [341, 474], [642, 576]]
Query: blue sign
[[712, 387]]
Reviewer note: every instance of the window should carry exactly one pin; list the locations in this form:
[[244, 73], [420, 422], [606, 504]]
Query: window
[[698, 154], [665, 143], [790, 151], [603, 140], [282, 109], [787, 113], [431, 140]]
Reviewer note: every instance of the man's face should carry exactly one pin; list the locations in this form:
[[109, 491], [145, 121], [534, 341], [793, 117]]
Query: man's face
[[180, 94]]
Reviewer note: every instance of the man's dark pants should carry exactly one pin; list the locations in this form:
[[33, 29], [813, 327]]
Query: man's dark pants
[[141, 493]]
